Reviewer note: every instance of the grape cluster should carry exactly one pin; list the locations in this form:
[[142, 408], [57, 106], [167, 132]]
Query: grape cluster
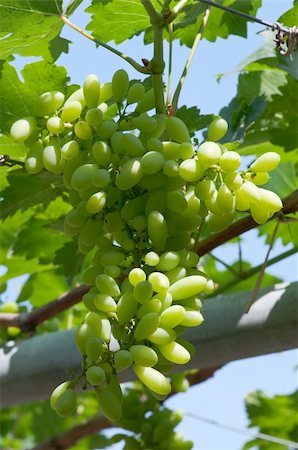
[[140, 191]]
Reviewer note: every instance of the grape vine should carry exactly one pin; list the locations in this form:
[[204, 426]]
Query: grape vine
[[140, 190]]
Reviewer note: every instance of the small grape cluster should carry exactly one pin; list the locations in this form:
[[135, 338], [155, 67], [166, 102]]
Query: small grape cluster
[[140, 191]]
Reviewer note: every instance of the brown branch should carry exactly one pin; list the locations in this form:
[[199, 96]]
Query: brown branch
[[28, 321], [242, 225], [72, 436]]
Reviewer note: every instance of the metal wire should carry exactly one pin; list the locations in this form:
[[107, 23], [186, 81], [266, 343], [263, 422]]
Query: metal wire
[[255, 435]]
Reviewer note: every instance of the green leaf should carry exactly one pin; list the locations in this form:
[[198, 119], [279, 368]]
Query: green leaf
[[28, 27], [290, 18], [69, 258], [15, 150], [25, 190], [193, 119], [117, 20], [283, 180], [17, 98]]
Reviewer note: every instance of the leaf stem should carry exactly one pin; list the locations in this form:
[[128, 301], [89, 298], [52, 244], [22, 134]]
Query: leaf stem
[[131, 61], [169, 93], [190, 58]]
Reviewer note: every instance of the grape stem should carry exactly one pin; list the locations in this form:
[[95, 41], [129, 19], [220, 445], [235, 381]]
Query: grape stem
[[169, 93], [128, 59], [190, 58]]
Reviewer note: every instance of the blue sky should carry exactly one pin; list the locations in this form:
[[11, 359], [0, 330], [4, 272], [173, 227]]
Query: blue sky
[[222, 397]]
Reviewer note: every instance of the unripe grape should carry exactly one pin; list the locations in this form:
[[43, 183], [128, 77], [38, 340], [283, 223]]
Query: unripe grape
[[220, 222], [82, 177], [135, 93], [102, 153], [78, 96], [109, 403], [177, 129], [191, 170], [105, 92], [120, 83], [260, 178], [154, 144], [209, 153], [130, 174], [172, 316], [66, 403], [154, 305], [170, 150], [83, 333], [251, 192], [233, 180], [176, 274], [71, 111], [175, 352], [57, 392], [106, 330], [266, 162], [96, 202], [143, 355], [107, 128], [153, 379], [143, 291], [112, 257], [230, 161], [192, 318], [225, 199], [34, 160], [170, 168], [82, 130], [91, 90], [270, 200], [126, 307], [52, 158], [187, 287], [217, 129], [159, 281], [162, 336], [151, 259], [242, 202], [22, 129], [48, 102], [132, 145], [188, 258], [55, 125], [122, 359], [152, 162], [146, 326], [157, 229], [105, 303], [259, 213], [146, 103], [107, 285], [94, 348], [70, 150], [145, 123], [95, 375], [94, 117], [136, 276], [168, 261]]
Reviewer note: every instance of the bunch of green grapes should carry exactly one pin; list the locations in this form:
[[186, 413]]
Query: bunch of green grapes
[[140, 191]]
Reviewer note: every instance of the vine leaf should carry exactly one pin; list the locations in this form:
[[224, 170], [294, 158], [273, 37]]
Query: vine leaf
[[193, 119], [29, 26], [117, 20]]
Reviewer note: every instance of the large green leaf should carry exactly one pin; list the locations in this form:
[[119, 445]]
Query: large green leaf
[[31, 28], [17, 97], [193, 119]]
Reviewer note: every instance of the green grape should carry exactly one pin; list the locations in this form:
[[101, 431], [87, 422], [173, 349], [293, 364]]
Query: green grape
[[150, 183], [57, 392], [157, 230], [96, 202], [172, 316], [82, 176], [70, 166], [130, 174], [191, 170], [132, 145], [154, 305], [176, 274], [205, 189], [126, 307], [66, 403], [83, 130], [70, 150], [152, 162], [192, 318], [259, 213], [113, 271], [270, 200], [102, 153], [91, 89], [9, 307], [116, 141], [112, 257], [134, 207], [242, 202], [107, 285], [250, 192], [94, 117], [260, 178], [217, 129], [101, 178], [136, 276], [78, 95], [105, 303], [170, 168], [230, 161], [154, 144], [168, 261], [187, 287], [120, 84], [93, 320], [107, 128], [159, 281], [106, 330], [95, 375], [48, 102], [233, 181], [209, 153], [179, 383], [177, 129], [83, 333], [156, 202], [34, 160], [146, 326], [144, 123], [176, 202], [143, 291], [175, 352], [138, 223], [186, 150], [74, 218], [220, 222], [94, 348], [162, 336], [193, 202], [109, 403], [122, 360], [135, 93], [55, 125], [170, 150], [71, 111], [266, 162], [151, 259], [112, 222], [212, 204], [52, 158], [143, 355], [105, 92], [225, 199], [22, 129], [153, 379], [188, 258], [146, 103]]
